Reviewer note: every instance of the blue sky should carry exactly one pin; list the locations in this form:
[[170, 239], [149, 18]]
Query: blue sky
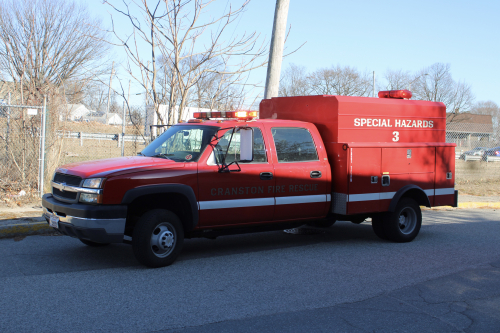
[[381, 35]]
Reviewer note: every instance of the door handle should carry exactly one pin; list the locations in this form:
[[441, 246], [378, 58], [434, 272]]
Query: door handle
[[315, 174], [386, 180], [266, 175]]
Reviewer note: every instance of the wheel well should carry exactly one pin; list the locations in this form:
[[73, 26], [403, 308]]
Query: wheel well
[[418, 195], [174, 202]]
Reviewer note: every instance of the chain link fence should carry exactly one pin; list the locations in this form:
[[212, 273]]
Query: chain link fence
[[75, 134], [33, 146], [20, 147], [90, 139], [477, 153]]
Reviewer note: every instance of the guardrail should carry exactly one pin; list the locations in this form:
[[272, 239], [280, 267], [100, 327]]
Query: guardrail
[[100, 136], [473, 157], [477, 158], [492, 158]]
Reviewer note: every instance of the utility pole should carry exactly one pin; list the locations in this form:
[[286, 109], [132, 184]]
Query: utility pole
[[276, 49], [109, 92], [373, 83]]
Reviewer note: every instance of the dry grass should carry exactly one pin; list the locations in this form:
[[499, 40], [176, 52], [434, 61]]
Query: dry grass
[[489, 188], [96, 150], [97, 127], [478, 178]]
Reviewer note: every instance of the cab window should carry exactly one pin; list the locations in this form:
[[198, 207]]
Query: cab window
[[294, 144], [259, 149]]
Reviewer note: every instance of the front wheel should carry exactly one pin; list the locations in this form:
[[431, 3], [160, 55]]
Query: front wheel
[[403, 225], [157, 238]]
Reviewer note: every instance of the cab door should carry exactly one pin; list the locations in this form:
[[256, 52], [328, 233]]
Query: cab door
[[228, 198], [302, 173]]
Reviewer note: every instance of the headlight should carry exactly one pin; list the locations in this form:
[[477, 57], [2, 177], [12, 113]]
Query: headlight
[[93, 182], [90, 198]]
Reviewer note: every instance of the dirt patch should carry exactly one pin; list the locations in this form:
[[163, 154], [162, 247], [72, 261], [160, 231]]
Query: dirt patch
[[478, 188], [28, 210]]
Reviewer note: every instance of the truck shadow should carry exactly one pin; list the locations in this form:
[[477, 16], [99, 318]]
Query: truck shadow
[[265, 241], [58, 254], [65, 254]]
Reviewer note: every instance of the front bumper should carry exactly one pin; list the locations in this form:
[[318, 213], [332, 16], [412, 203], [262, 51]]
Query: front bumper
[[99, 223]]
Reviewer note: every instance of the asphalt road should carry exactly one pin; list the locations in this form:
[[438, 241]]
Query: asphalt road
[[343, 279]]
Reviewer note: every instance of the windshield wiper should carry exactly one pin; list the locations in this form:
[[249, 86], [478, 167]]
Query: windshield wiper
[[141, 154], [163, 156]]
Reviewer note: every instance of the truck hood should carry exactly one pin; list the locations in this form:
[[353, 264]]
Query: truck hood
[[115, 166]]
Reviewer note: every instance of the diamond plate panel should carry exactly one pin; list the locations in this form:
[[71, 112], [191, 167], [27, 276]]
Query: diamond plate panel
[[339, 203]]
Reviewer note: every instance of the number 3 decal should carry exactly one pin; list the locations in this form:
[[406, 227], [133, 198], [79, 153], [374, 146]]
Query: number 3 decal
[[396, 136]]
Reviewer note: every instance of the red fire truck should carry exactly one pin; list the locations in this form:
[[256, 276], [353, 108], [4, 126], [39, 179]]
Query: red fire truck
[[308, 159]]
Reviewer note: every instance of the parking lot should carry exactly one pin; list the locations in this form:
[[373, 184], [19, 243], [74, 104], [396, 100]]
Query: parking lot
[[339, 279]]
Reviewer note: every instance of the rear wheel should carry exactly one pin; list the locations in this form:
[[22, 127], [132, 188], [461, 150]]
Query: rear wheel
[[403, 225], [157, 238], [93, 244]]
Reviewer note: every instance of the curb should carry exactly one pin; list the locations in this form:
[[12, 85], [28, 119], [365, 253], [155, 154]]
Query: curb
[[23, 227], [479, 205]]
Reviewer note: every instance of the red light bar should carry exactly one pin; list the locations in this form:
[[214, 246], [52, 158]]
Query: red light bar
[[225, 114], [401, 94]]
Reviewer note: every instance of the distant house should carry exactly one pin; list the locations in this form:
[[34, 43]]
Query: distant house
[[466, 128], [93, 115], [73, 112], [111, 119]]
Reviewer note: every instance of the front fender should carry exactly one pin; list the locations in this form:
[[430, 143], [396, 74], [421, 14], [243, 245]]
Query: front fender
[[182, 189]]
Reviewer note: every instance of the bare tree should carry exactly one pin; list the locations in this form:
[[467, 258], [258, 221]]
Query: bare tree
[[188, 40], [217, 92], [489, 108], [346, 81], [397, 79], [294, 81], [44, 44], [95, 96], [47, 47], [439, 86], [486, 107]]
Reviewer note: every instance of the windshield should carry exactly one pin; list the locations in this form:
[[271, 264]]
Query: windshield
[[181, 143]]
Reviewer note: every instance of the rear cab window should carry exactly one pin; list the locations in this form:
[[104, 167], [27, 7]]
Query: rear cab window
[[294, 144]]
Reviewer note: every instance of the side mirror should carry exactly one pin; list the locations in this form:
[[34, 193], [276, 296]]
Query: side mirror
[[246, 144]]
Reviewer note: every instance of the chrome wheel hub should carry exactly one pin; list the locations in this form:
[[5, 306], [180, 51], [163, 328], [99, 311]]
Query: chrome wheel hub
[[163, 239], [166, 240], [407, 220]]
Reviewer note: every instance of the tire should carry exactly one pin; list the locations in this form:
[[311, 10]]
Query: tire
[[403, 225], [93, 244], [378, 226], [157, 238]]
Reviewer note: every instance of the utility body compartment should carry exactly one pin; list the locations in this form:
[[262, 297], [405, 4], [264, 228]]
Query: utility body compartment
[[378, 148]]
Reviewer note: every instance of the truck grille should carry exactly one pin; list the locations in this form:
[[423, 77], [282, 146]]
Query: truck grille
[[65, 194], [68, 179]]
